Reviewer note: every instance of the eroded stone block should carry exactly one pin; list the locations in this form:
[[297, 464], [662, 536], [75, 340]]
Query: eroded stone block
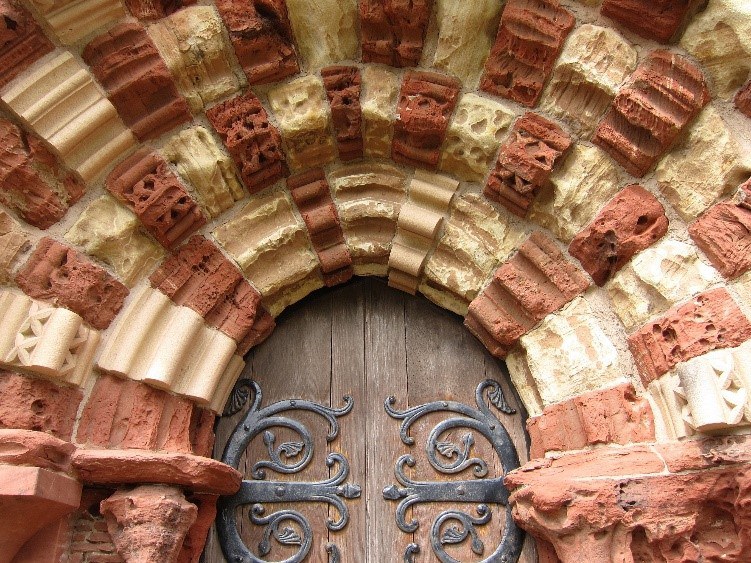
[[706, 165], [528, 43], [473, 137], [61, 275], [393, 31], [202, 165], [13, 240], [155, 9], [72, 21], [125, 61], [261, 36], [22, 42], [343, 86], [663, 96], [426, 102], [535, 282], [325, 30], [660, 20], [743, 100], [525, 162], [193, 45], [145, 183], [632, 221], [379, 98], [112, 233], [301, 108]]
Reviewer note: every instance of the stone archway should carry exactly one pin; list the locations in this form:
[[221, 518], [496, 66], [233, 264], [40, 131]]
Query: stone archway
[[158, 213]]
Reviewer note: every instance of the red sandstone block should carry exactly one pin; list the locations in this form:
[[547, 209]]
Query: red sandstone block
[[65, 277], [743, 99], [254, 143], [709, 321], [529, 40], [311, 193], [195, 539], [22, 42], [155, 9], [261, 35], [525, 162], [24, 164], [35, 404], [663, 96], [426, 103], [724, 234], [632, 221], [659, 20], [139, 84], [146, 184], [393, 31], [343, 85], [535, 282]]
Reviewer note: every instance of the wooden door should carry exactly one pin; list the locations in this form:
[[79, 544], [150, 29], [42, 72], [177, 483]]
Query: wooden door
[[370, 342]]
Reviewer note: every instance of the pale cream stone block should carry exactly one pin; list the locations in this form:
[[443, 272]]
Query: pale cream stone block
[[305, 121], [669, 407], [594, 63], [379, 97], [192, 42], [708, 164], [43, 339], [473, 137], [271, 246], [325, 30], [656, 279], [171, 354], [215, 349], [476, 239], [568, 354], [466, 32], [112, 233], [74, 20], [61, 103], [720, 37], [368, 198], [205, 168], [13, 240], [230, 376], [578, 188]]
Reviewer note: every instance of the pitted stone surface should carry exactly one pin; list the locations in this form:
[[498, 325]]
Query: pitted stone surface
[[21, 41], [393, 31], [379, 98], [325, 30], [155, 9], [343, 85], [743, 99], [660, 20]]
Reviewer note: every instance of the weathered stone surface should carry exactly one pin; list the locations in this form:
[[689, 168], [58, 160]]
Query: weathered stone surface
[[393, 31], [202, 165], [61, 275], [343, 86], [125, 61], [720, 38], [566, 355], [466, 31], [310, 192], [724, 234], [706, 165], [709, 321], [380, 95], [145, 183], [656, 279], [525, 162], [61, 102], [72, 21], [21, 41], [31, 181], [199, 474], [27, 447], [663, 96], [743, 99], [528, 43], [577, 188], [610, 416], [594, 63], [632, 221], [149, 523], [126, 414], [192, 547], [112, 233], [369, 198], [325, 30], [254, 143], [475, 239], [660, 20], [301, 108], [535, 282], [37, 404], [261, 36], [426, 102], [13, 241], [273, 250], [193, 45], [155, 9], [473, 137]]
